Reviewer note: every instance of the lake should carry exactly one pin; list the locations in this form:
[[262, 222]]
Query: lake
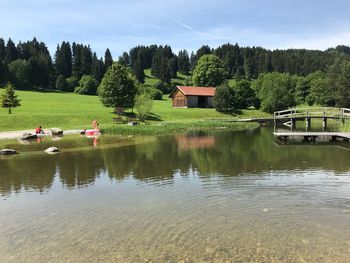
[[199, 197]]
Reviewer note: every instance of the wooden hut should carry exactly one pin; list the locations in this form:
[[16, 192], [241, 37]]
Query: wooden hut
[[192, 97]]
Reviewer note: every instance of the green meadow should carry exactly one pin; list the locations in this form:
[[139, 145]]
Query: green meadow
[[73, 111]]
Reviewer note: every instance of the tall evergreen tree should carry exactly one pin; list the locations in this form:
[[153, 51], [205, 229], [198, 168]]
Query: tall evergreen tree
[[173, 66], [124, 59], [138, 71], [4, 74], [97, 68], [11, 52], [108, 59], [184, 62], [2, 49], [63, 60]]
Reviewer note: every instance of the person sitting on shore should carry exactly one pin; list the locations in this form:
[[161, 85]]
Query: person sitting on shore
[[39, 130]]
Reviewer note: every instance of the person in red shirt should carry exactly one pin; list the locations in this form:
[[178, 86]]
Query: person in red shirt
[[39, 130]]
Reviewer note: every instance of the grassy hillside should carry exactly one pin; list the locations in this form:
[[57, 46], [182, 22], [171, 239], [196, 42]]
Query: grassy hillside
[[73, 111], [151, 80]]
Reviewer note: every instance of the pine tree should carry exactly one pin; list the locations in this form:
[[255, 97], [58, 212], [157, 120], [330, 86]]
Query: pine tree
[[173, 67], [4, 72], [11, 52], [138, 71], [63, 60], [2, 49], [86, 60], [8, 98], [108, 59], [184, 62], [97, 68], [124, 59]]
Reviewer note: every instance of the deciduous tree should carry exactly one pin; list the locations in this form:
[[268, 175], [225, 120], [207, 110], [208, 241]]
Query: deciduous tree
[[210, 71], [118, 87]]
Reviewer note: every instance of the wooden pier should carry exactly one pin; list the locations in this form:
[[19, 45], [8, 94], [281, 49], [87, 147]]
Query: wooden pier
[[291, 116], [312, 136]]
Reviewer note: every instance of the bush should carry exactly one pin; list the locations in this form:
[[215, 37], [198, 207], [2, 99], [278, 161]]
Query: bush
[[224, 99], [87, 85], [61, 83], [143, 105], [245, 96], [163, 87], [72, 83], [156, 94], [166, 88], [275, 91]]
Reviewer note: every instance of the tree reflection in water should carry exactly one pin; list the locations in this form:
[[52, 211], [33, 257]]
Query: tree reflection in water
[[223, 153]]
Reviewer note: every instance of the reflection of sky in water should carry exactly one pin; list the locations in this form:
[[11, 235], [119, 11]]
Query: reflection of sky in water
[[237, 200]]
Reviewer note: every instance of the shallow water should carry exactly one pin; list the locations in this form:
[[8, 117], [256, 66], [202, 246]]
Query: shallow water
[[224, 197]]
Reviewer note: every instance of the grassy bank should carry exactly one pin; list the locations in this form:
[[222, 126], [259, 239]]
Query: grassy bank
[[73, 111]]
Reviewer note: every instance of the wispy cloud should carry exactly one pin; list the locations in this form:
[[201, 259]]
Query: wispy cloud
[[120, 25], [183, 25]]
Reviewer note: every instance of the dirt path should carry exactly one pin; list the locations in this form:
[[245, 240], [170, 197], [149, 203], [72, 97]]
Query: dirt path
[[18, 134]]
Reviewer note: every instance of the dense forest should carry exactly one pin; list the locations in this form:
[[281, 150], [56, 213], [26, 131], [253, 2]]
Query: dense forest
[[77, 68], [29, 65]]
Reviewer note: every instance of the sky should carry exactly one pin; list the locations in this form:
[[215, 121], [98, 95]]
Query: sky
[[182, 24]]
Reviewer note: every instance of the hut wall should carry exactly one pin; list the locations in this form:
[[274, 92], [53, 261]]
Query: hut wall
[[179, 99]]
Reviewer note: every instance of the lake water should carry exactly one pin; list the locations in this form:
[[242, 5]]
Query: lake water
[[221, 197]]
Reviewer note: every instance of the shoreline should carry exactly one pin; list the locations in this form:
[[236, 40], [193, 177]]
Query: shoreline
[[166, 128], [9, 135]]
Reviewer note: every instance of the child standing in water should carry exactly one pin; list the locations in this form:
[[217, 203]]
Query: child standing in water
[[94, 124]]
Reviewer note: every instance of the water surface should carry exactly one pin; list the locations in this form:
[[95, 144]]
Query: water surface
[[218, 197]]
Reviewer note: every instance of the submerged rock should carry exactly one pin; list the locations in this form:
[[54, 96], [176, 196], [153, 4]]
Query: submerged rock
[[7, 151], [52, 150]]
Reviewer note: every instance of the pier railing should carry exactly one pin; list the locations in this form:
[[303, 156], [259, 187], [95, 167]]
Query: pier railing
[[289, 117], [316, 112]]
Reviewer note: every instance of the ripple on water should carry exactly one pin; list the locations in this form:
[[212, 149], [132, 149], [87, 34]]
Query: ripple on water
[[282, 216]]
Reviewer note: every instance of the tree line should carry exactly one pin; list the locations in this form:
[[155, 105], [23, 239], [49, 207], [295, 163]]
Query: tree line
[[309, 75], [29, 65]]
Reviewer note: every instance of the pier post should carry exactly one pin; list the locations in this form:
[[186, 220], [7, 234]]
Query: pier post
[[324, 123], [308, 123], [292, 124]]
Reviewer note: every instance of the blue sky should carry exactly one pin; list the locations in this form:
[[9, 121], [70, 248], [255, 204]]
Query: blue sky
[[183, 24]]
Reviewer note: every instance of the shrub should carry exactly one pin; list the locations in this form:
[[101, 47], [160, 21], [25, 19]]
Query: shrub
[[87, 86], [166, 88], [61, 83], [156, 94], [224, 99], [72, 83], [143, 105], [245, 96], [275, 91]]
